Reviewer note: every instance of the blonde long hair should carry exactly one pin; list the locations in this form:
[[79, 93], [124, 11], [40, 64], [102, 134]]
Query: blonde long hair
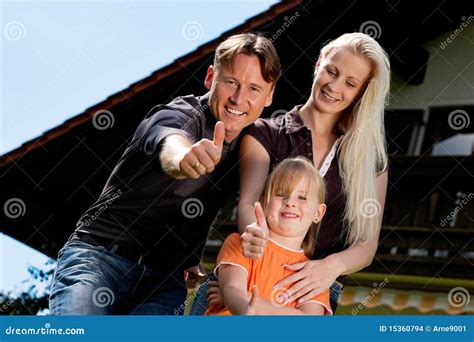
[[363, 151], [285, 178]]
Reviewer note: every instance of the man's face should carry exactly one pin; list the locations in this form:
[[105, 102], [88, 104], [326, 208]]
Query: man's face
[[238, 93]]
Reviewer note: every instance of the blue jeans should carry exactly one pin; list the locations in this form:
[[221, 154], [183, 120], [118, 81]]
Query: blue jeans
[[199, 306], [91, 280], [334, 293]]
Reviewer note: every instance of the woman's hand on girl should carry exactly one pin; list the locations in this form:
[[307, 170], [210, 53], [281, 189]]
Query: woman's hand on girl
[[255, 236], [311, 278]]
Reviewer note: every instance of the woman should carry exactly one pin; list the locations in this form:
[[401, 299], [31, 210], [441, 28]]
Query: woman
[[340, 128]]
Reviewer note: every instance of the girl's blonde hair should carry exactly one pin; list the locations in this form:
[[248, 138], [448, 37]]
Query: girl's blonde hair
[[362, 151], [284, 178]]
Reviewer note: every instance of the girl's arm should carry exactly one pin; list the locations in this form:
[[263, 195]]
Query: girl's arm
[[254, 165], [260, 306], [317, 275], [233, 289]]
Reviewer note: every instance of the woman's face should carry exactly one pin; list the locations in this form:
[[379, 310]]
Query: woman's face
[[340, 79]]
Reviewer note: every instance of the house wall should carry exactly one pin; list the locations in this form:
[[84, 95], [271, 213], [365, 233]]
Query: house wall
[[449, 78]]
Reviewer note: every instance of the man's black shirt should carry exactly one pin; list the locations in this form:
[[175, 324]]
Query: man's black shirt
[[142, 207]]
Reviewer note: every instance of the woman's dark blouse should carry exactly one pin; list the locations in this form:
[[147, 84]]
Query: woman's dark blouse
[[286, 137]]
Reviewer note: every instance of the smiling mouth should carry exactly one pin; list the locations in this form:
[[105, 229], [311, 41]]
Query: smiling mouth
[[234, 112], [328, 97], [289, 215]]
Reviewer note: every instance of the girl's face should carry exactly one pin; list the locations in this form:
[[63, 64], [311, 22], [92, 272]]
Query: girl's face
[[291, 215], [340, 78]]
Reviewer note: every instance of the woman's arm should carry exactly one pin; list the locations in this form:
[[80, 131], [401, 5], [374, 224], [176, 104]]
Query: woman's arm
[[254, 164], [317, 275], [361, 255]]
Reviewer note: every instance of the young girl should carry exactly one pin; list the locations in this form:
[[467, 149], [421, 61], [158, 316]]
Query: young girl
[[341, 129], [293, 206]]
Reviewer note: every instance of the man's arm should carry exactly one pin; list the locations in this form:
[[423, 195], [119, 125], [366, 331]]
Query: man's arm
[[180, 159], [174, 148]]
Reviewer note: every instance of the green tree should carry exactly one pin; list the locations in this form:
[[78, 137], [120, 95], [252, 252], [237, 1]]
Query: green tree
[[31, 301]]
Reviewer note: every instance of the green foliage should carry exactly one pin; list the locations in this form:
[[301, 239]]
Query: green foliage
[[28, 302]]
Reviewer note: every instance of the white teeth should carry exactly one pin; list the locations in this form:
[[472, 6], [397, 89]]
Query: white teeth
[[235, 112], [329, 97], [289, 215]]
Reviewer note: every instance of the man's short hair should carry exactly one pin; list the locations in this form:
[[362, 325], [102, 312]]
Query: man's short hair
[[250, 44]]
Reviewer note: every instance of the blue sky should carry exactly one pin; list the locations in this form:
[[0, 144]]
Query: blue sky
[[74, 54], [60, 57]]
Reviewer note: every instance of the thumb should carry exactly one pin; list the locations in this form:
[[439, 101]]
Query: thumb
[[219, 134], [255, 295], [260, 216]]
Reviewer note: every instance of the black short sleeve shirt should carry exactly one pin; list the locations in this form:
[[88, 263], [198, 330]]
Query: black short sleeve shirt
[[141, 206]]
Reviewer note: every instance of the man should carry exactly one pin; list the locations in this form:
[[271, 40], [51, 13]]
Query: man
[[130, 249]]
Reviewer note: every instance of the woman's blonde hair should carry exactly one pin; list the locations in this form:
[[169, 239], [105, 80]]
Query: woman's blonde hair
[[284, 178], [362, 151]]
